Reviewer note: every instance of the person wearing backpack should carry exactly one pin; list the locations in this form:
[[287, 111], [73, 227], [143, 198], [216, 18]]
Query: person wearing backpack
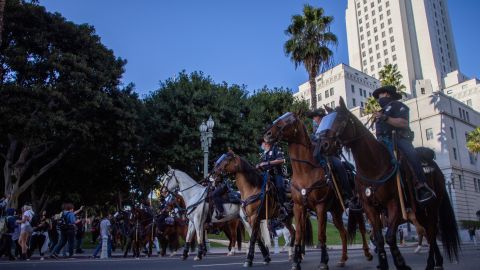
[[66, 225], [25, 229], [6, 240], [41, 225]]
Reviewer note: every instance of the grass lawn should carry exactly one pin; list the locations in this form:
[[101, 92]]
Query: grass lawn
[[333, 236]]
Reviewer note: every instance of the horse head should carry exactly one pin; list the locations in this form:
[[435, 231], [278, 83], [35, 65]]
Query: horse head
[[338, 128], [287, 128], [169, 181], [226, 164]]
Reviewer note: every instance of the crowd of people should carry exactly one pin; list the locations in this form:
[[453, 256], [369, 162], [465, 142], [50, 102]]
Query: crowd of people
[[24, 232]]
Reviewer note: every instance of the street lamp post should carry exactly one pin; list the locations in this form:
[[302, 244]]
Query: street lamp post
[[206, 135]]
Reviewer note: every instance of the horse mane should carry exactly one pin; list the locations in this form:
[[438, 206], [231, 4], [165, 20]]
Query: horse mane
[[251, 174]]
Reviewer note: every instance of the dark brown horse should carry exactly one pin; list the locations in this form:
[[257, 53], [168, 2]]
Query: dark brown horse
[[257, 198], [310, 189], [375, 178], [170, 231], [143, 232]]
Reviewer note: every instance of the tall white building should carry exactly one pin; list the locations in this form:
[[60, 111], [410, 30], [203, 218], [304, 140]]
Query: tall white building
[[414, 34], [441, 123], [340, 81]]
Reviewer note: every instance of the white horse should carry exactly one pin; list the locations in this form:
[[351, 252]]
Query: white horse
[[195, 196]]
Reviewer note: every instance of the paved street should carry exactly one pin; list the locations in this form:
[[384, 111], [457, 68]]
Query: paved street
[[470, 260]]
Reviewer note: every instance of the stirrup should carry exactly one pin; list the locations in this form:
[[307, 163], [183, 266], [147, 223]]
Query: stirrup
[[432, 196]]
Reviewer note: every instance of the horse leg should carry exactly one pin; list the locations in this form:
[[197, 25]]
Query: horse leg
[[363, 232], [291, 241], [391, 236], [298, 240], [253, 238], [200, 237], [232, 227], [322, 237], [191, 230], [264, 250], [338, 222], [377, 226]]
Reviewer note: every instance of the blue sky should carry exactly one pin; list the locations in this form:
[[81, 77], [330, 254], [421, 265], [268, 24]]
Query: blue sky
[[236, 41]]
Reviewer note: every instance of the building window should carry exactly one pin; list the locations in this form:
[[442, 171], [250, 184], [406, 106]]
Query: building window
[[392, 39], [369, 94], [376, 38], [363, 45], [460, 182], [332, 104], [468, 118], [379, 8], [473, 158], [374, 21], [379, 65], [476, 182], [460, 112], [361, 104], [390, 30], [455, 153], [394, 57], [354, 102], [422, 91], [364, 62], [319, 97], [383, 35], [377, 47], [388, 12], [387, 4], [389, 21], [361, 37], [378, 55], [371, 58], [369, 41], [326, 94], [385, 52], [452, 134], [381, 16], [331, 91], [393, 48], [429, 134], [361, 28], [353, 88], [364, 54]]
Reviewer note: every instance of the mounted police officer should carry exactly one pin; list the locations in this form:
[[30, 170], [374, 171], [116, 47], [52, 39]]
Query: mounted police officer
[[395, 116], [272, 160], [349, 199], [217, 196]]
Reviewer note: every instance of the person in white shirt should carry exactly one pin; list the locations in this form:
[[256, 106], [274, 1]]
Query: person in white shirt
[[105, 233], [25, 229]]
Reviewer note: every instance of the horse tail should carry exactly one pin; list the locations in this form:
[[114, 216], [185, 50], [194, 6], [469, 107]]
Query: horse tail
[[446, 219], [308, 234], [354, 218], [240, 235]]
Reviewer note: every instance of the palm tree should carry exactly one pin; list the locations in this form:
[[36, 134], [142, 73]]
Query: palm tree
[[371, 106], [473, 141], [390, 75], [309, 44]]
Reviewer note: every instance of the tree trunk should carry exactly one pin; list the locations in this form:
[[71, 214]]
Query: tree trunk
[[19, 169], [313, 90]]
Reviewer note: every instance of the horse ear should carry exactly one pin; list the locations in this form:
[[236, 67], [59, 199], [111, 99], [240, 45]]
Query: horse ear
[[230, 150], [342, 104], [328, 109]]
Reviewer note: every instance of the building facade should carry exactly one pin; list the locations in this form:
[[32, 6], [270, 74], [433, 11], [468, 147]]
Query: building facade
[[414, 34], [341, 81], [464, 89], [440, 122]]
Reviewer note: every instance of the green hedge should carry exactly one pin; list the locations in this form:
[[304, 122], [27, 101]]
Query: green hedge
[[469, 223]]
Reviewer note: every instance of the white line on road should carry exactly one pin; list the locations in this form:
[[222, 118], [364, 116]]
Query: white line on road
[[225, 264]]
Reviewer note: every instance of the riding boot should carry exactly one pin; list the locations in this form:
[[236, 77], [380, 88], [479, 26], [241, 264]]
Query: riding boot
[[220, 215], [424, 193]]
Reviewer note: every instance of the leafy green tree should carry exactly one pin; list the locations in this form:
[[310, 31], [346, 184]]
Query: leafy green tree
[[389, 75], [309, 43], [58, 95], [473, 141]]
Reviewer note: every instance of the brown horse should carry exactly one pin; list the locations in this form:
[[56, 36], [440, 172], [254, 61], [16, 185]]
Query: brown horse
[[375, 178], [144, 231], [257, 197], [310, 189], [169, 234]]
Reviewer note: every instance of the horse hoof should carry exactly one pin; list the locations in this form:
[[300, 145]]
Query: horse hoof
[[296, 267], [197, 258], [184, 258], [247, 264], [341, 264], [266, 260], [290, 258], [438, 268], [323, 266], [369, 257]]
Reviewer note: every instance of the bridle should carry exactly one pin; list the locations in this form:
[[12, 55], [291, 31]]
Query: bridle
[[167, 181], [337, 141]]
